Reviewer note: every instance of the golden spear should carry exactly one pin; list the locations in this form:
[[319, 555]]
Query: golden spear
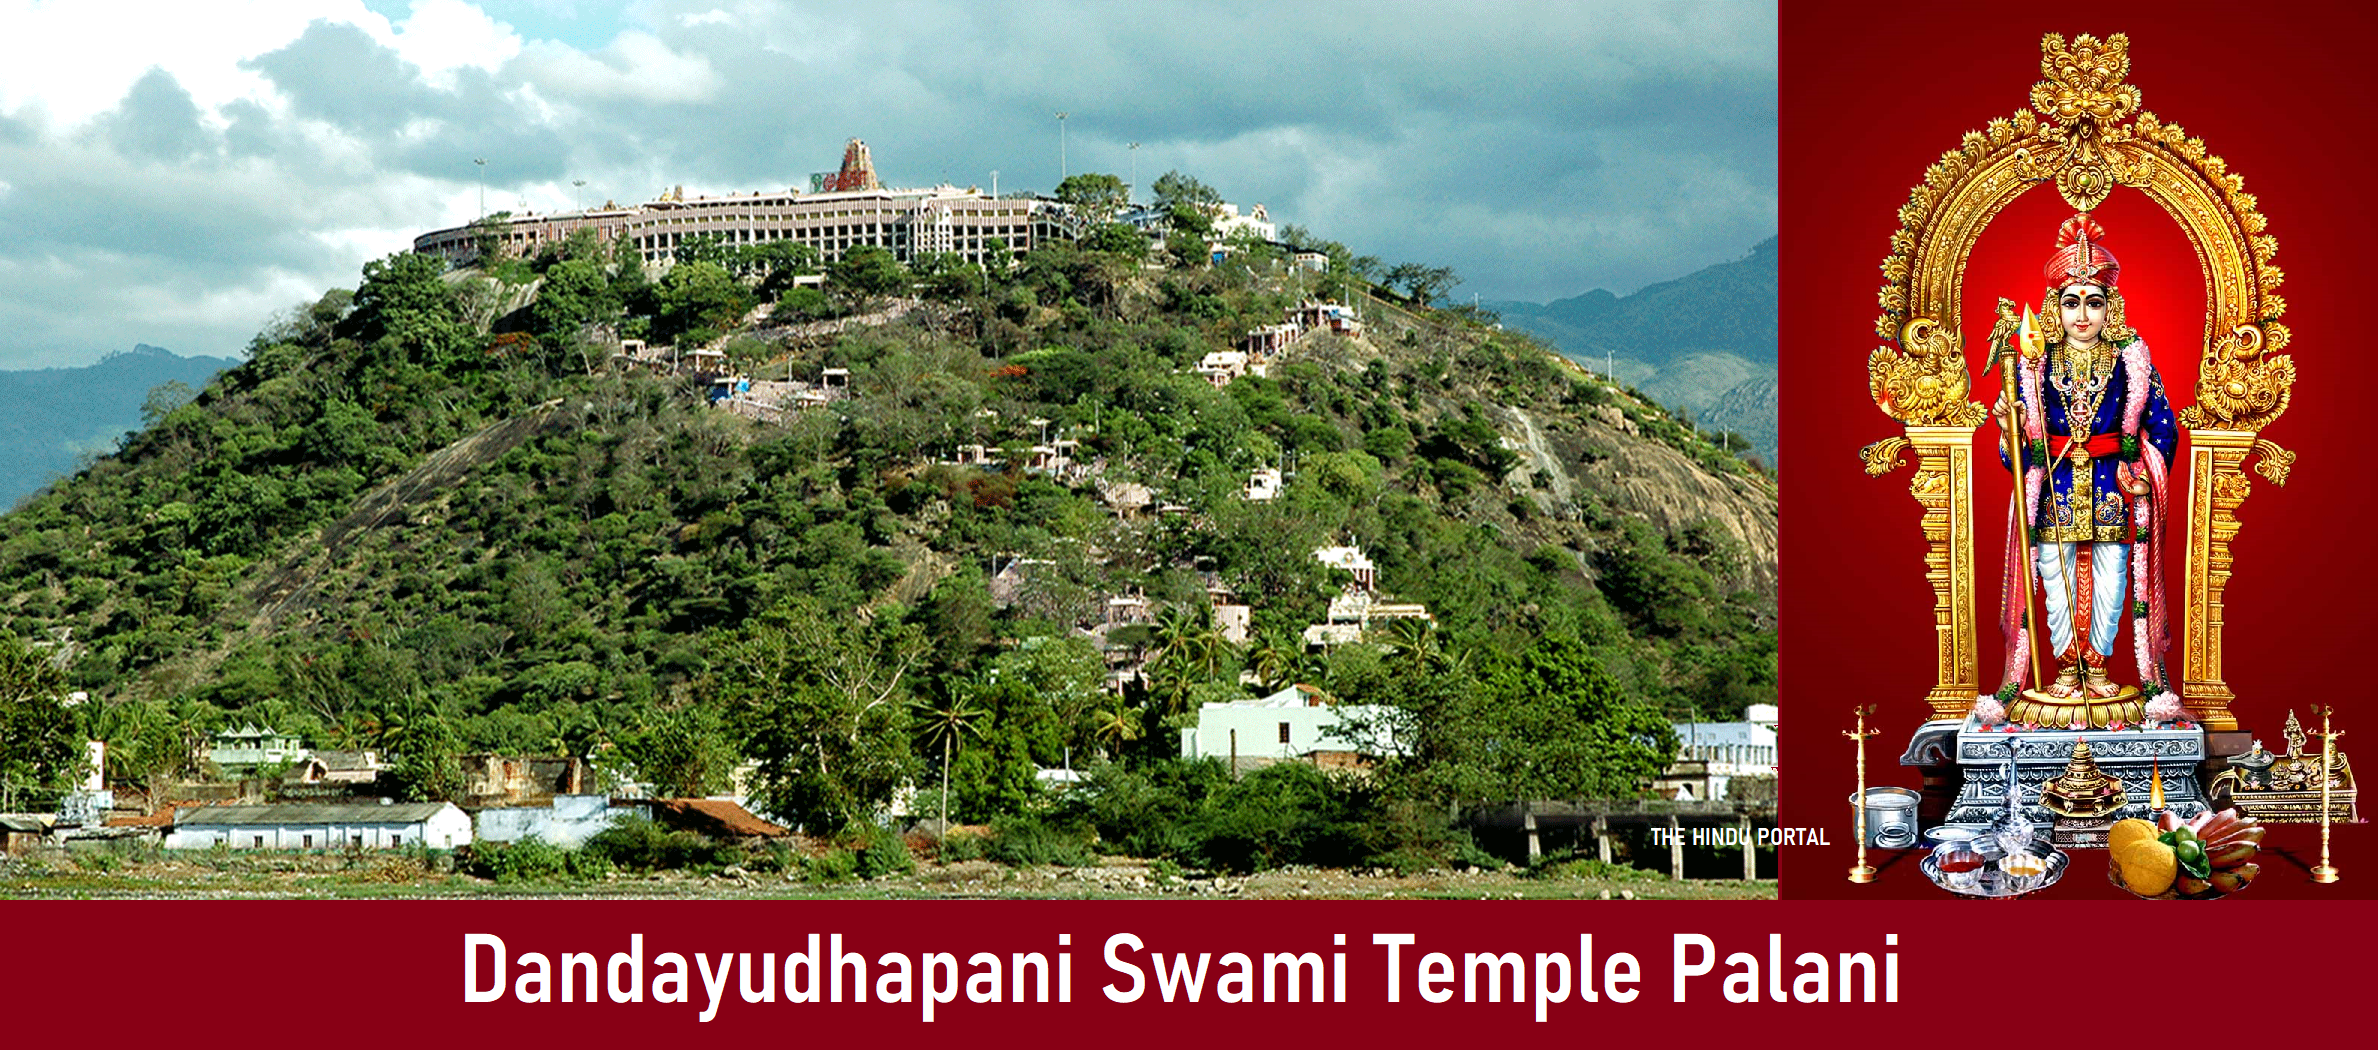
[[2031, 345]]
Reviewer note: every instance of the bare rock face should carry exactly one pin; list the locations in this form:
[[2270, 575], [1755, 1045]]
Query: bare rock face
[[1601, 459], [1582, 465]]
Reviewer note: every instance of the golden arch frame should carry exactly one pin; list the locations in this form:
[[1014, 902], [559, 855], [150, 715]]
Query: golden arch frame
[[2086, 134]]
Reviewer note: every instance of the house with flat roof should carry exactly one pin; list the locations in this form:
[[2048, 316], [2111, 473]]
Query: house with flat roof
[[1295, 724], [1711, 757], [248, 747], [306, 826]]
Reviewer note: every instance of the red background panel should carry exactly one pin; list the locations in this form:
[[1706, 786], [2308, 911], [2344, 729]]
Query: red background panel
[[389, 973], [1869, 101]]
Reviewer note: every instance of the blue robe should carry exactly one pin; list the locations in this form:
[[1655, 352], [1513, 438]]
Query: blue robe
[[2102, 515]]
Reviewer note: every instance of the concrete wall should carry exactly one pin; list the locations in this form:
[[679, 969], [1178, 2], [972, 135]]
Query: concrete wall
[[570, 821]]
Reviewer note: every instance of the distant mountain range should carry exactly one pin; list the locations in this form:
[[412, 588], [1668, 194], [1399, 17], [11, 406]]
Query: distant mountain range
[[52, 420], [1704, 343]]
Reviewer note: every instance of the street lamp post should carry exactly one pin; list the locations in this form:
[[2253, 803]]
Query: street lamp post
[[1061, 169], [1129, 191], [482, 163], [581, 185]]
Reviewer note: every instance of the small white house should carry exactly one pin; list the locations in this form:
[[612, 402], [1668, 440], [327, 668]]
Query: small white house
[[306, 826], [1710, 756], [1263, 486], [1291, 724]]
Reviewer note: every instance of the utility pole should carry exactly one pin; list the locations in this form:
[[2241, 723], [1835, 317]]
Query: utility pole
[[1061, 169], [482, 163]]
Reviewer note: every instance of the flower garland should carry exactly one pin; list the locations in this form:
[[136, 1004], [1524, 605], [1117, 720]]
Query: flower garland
[[2149, 623]]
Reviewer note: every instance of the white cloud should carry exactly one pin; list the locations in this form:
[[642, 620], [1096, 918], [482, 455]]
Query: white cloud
[[49, 61], [443, 36], [637, 65], [714, 16]]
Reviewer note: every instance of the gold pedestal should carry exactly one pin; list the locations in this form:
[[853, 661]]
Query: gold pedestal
[[2323, 873], [1865, 873], [2059, 712]]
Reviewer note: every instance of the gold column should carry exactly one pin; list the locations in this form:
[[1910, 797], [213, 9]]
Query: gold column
[[1943, 485], [2216, 486]]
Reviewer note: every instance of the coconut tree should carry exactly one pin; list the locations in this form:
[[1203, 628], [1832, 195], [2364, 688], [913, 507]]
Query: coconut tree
[[1274, 658], [1190, 642], [1115, 724], [946, 725]]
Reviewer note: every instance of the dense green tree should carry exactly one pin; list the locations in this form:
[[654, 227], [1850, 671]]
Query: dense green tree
[[777, 263], [1116, 239], [40, 742], [1669, 595], [1425, 284], [868, 272], [406, 309], [704, 248], [698, 297], [490, 236], [687, 751], [803, 303], [822, 707], [1097, 196], [425, 752], [1173, 188], [576, 293]]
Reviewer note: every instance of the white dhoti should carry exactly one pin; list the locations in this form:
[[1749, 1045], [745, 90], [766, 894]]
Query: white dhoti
[[2109, 571]]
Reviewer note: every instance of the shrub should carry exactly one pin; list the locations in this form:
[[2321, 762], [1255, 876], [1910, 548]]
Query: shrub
[[1146, 811], [836, 865], [1023, 840], [529, 860], [1567, 865], [1467, 853], [1285, 813], [962, 846], [637, 844], [881, 852]]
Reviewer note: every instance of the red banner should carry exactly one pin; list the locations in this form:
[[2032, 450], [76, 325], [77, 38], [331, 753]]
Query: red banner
[[1156, 973]]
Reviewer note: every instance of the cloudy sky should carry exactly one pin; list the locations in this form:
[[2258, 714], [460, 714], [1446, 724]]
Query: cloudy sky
[[176, 173]]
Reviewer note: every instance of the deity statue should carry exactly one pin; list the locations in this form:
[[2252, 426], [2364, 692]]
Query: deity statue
[[2098, 437]]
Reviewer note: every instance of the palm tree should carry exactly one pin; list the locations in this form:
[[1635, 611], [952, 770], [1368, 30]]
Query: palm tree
[[1115, 724], [1417, 642], [1168, 686], [1414, 640], [946, 725], [1274, 660], [1189, 641]]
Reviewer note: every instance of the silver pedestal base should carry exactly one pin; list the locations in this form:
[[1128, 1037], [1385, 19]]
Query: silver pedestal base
[[2130, 756]]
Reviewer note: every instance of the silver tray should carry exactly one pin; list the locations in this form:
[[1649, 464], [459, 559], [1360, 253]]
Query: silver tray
[[1992, 884]]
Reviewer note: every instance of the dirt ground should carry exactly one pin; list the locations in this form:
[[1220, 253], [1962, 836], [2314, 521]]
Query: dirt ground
[[331, 876]]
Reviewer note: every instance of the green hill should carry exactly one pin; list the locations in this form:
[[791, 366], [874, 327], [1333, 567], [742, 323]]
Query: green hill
[[59, 418], [427, 518], [1690, 343]]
